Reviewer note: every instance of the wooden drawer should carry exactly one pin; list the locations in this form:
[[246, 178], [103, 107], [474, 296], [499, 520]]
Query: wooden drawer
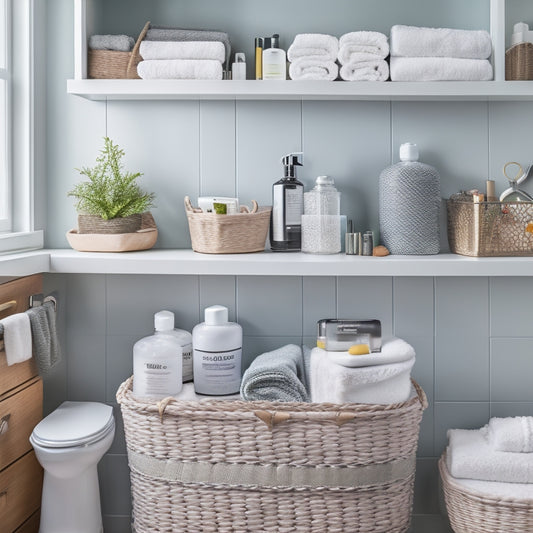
[[17, 293], [20, 492], [21, 410], [31, 525]]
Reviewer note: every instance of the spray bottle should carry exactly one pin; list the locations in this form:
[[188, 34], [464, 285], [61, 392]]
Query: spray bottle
[[287, 208]]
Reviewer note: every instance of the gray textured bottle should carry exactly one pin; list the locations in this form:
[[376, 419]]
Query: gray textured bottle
[[409, 203]]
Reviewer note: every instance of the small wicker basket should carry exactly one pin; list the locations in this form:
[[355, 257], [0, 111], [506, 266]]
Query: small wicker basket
[[219, 466], [239, 233], [471, 512], [519, 62], [111, 64]]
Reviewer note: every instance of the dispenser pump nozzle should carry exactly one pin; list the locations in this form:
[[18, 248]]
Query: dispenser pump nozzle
[[290, 161]]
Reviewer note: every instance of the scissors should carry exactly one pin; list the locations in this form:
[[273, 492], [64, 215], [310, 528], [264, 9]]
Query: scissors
[[513, 193]]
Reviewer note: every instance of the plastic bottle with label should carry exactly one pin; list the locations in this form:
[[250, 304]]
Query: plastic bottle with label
[[217, 353]]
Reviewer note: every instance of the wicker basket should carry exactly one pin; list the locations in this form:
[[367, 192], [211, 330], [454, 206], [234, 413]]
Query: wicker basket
[[111, 64], [519, 62], [490, 228], [233, 466], [471, 512], [240, 233]]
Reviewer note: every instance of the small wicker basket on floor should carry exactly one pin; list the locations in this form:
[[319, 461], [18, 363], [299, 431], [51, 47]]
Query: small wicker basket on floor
[[239, 233], [471, 512], [519, 62], [111, 64], [232, 466]]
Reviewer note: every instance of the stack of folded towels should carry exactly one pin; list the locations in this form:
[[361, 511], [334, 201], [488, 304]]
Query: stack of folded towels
[[174, 53], [496, 460], [362, 56], [313, 56], [439, 54]]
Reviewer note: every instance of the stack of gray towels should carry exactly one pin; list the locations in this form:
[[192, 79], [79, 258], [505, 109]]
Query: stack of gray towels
[[439, 54], [175, 53]]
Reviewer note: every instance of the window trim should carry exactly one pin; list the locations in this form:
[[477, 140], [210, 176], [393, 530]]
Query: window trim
[[6, 75]]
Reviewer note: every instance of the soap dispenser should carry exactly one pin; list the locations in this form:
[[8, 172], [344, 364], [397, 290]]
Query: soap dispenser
[[287, 208]]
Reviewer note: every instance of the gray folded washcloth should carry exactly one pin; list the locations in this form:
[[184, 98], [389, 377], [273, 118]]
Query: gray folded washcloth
[[46, 346], [118, 43], [163, 33], [276, 376]]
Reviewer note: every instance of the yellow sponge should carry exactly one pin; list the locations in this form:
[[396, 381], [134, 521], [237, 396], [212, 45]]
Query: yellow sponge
[[359, 349]]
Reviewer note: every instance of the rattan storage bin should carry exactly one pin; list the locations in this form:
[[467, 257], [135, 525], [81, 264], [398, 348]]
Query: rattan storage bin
[[239, 233], [471, 512], [233, 466], [519, 62], [490, 228], [111, 64]]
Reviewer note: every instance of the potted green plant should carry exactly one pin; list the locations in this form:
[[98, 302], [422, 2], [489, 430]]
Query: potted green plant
[[110, 201]]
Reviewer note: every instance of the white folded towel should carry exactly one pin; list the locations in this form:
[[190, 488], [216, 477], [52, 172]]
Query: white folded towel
[[367, 42], [316, 45], [17, 338], [183, 50], [439, 69], [313, 69], [377, 70], [379, 384], [413, 41], [494, 489], [511, 434], [188, 394], [180, 69], [469, 455]]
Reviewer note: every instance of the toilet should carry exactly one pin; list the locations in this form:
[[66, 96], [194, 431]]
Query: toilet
[[68, 444]]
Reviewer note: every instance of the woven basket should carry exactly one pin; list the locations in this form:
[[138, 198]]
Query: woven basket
[[111, 64], [519, 62], [240, 233], [233, 466], [96, 224], [471, 512]]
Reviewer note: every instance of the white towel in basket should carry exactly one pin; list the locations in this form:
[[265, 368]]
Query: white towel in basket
[[511, 434]]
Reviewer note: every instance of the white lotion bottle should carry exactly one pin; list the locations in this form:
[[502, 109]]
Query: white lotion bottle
[[185, 340], [157, 361], [217, 353]]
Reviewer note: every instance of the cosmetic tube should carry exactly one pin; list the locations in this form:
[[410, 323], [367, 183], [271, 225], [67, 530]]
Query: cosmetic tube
[[258, 58]]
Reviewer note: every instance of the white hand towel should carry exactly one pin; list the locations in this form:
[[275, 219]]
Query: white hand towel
[[412, 41], [183, 50], [511, 434], [17, 338], [316, 45], [470, 456], [439, 69], [180, 69], [380, 384], [368, 42], [494, 489], [377, 70], [313, 69]]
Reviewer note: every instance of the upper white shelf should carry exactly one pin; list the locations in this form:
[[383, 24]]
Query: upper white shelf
[[297, 90]]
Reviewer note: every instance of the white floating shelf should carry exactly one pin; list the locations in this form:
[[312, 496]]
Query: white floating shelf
[[298, 90]]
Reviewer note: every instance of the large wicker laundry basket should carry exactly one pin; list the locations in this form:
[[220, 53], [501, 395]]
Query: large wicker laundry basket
[[233, 466]]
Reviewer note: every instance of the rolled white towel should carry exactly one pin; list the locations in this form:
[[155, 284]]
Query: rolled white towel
[[377, 70], [439, 69], [511, 434], [367, 42], [413, 41], [183, 50], [180, 69], [470, 456], [313, 69], [315, 45]]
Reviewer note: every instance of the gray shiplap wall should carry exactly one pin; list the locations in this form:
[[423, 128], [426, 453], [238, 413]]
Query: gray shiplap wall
[[472, 335]]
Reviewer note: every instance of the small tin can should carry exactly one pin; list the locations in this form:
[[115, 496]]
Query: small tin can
[[368, 243]]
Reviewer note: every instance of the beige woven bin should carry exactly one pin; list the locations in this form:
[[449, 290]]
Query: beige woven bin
[[519, 62], [240, 233], [471, 512], [111, 64], [233, 466]]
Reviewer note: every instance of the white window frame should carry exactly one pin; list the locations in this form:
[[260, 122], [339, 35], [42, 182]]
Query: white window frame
[[5, 135]]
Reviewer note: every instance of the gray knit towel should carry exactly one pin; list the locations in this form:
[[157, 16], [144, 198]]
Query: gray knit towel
[[46, 346], [164, 33], [118, 43], [276, 376]]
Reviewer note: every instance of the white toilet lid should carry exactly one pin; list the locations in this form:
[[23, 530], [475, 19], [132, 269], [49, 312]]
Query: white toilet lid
[[74, 424]]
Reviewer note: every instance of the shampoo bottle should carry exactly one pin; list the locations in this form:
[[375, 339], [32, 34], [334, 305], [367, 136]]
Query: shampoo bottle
[[274, 61], [217, 353], [185, 340], [287, 208], [157, 361]]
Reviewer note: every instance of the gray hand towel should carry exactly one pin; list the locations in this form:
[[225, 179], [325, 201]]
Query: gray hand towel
[[44, 335], [118, 43], [276, 376]]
